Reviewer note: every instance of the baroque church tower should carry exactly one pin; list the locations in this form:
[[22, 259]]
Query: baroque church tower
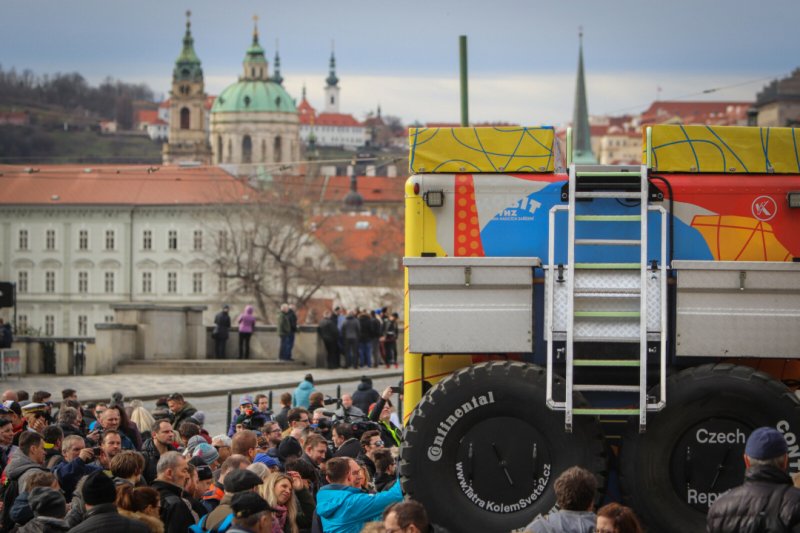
[[332, 89], [188, 138]]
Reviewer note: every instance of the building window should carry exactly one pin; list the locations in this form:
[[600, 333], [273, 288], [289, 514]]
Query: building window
[[223, 285], [247, 149], [172, 239], [147, 282], [109, 285], [23, 239], [109, 319], [198, 240], [109, 239], [49, 325], [83, 282], [172, 282], [22, 324], [276, 150], [83, 325], [50, 239], [147, 239], [50, 281], [185, 118], [197, 282], [83, 239], [223, 241], [22, 282]]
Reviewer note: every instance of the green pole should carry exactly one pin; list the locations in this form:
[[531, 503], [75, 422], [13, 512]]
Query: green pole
[[462, 46]]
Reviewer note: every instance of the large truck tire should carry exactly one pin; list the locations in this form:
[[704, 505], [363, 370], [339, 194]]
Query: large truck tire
[[692, 450], [482, 449]]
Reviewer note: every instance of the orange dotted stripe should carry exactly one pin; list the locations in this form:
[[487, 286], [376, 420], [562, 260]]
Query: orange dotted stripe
[[467, 234]]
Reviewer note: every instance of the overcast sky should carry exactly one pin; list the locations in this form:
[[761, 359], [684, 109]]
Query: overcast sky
[[404, 54]]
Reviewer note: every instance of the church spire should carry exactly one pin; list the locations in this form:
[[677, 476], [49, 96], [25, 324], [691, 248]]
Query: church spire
[[255, 62], [187, 66], [332, 79], [581, 133], [276, 66]]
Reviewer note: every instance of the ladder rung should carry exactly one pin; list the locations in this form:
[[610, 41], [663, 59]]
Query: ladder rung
[[606, 388], [607, 314], [605, 362], [608, 266], [608, 293], [608, 242], [607, 194], [601, 411], [608, 218], [612, 174]]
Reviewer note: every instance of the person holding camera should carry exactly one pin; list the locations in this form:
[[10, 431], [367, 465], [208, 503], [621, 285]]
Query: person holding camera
[[76, 464], [381, 413]]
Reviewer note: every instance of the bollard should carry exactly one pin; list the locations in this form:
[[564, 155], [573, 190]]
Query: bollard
[[338, 392], [269, 401], [230, 411]]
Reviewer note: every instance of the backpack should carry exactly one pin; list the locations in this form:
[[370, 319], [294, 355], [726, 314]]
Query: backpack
[[768, 520], [200, 527], [9, 492]]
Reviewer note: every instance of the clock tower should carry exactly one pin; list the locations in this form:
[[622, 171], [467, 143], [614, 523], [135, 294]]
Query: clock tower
[[188, 137]]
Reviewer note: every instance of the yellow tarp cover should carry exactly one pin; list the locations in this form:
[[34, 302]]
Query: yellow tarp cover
[[724, 149], [506, 149]]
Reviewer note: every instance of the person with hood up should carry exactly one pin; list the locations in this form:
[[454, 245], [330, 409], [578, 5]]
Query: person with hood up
[[365, 395], [247, 322], [303, 391], [222, 326], [576, 489]]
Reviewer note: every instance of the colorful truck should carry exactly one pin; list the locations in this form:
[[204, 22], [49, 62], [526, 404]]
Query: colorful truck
[[639, 321]]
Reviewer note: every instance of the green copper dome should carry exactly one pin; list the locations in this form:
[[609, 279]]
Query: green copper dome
[[254, 95]]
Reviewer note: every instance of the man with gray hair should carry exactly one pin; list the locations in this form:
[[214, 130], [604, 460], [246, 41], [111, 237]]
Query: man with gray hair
[[285, 333], [69, 420], [766, 501], [172, 474]]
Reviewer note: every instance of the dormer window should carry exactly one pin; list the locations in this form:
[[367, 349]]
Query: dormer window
[[278, 101], [247, 101]]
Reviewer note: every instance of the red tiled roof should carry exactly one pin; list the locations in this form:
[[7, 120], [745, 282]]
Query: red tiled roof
[[336, 119], [371, 188], [355, 238], [147, 116], [307, 112], [119, 185], [695, 112]]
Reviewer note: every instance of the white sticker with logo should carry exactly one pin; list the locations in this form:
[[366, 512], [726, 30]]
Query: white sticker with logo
[[764, 208]]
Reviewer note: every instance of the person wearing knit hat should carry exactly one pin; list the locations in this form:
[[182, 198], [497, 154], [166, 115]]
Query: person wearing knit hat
[[99, 494], [193, 443], [222, 443], [49, 509], [272, 463], [236, 481], [289, 448], [767, 501], [208, 454]]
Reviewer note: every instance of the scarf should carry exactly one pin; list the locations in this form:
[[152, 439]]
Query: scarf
[[279, 518]]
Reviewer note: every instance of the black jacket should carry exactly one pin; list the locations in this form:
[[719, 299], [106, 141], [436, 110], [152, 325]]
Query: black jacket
[[104, 517], [328, 330], [175, 512], [222, 325], [365, 395], [738, 509], [151, 457]]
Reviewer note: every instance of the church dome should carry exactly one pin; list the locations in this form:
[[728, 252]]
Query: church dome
[[254, 96]]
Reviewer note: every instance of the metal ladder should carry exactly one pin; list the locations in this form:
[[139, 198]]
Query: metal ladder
[[603, 296]]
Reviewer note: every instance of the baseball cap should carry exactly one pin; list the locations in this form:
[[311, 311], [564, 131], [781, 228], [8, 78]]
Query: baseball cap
[[765, 443]]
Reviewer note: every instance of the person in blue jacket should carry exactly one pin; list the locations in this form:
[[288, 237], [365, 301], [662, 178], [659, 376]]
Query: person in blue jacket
[[344, 508], [303, 391]]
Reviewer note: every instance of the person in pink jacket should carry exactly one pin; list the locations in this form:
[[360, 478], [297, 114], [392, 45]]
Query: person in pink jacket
[[247, 322]]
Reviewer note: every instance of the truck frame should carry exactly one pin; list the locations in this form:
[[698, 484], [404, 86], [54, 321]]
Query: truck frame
[[636, 320]]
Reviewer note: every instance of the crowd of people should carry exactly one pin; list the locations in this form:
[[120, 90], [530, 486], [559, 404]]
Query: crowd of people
[[119, 466], [362, 338], [315, 465], [358, 338]]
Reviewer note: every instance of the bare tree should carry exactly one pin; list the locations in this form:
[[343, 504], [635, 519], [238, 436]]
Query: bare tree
[[264, 251]]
